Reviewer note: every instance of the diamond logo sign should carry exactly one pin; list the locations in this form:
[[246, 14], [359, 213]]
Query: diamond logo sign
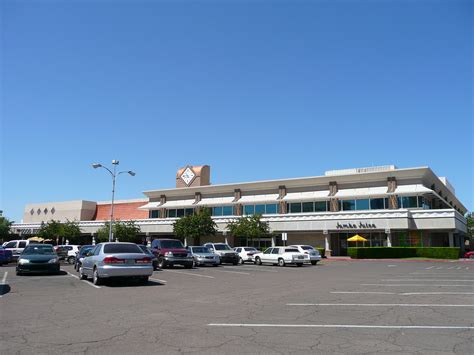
[[188, 176]]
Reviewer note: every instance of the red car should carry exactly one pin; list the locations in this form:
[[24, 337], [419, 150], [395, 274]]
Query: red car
[[469, 255]]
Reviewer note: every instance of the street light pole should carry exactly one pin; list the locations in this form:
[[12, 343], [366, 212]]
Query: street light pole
[[114, 174]]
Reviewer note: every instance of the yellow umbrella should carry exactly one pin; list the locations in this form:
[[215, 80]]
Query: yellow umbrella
[[36, 239], [357, 238]]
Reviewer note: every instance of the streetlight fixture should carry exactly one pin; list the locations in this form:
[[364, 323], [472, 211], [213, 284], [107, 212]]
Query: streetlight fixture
[[114, 175]]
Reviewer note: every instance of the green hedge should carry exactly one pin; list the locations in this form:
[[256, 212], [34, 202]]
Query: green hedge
[[322, 251], [403, 252]]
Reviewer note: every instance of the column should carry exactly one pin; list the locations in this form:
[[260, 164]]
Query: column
[[327, 245], [273, 241], [389, 238], [451, 239]]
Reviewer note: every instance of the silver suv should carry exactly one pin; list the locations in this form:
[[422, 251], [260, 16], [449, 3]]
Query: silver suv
[[225, 252]]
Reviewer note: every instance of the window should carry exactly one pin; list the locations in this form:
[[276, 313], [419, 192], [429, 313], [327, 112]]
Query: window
[[121, 248], [409, 202], [171, 244], [377, 204], [154, 214], [423, 203], [39, 249], [348, 205], [171, 213], [189, 211], [268, 251], [295, 207], [97, 250], [291, 251], [217, 211], [180, 212], [271, 209], [308, 207], [22, 244], [249, 209], [238, 250], [362, 204], [275, 251], [10, 245], [227, 211], [259, 209], [320, 206]]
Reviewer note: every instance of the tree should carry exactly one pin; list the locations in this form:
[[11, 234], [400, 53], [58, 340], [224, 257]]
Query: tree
[[195, 226], [5, 225], [250, 227], [60, 232], [124, 231], [470, 229]]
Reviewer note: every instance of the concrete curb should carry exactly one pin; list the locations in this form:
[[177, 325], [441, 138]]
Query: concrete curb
[[403, 260]]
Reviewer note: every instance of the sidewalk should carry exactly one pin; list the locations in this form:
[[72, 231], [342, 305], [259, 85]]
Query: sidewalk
[[401, 260]]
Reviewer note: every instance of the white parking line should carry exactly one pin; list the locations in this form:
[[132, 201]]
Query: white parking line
[[425, 285], [379, 305], [233, 272], [87, 282], [365, 292], [75, 276], [188, 273], [451, 280], [454, 274], [427, 268], [158, 280], [4, 279], [338, 326], [250, 268], [436, 293]]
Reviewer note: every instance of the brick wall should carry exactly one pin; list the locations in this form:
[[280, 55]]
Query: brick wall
[[122, 211]]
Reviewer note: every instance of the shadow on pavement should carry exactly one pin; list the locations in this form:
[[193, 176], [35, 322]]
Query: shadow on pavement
[[4, 289]]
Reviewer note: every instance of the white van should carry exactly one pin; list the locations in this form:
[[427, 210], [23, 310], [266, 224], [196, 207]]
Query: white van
[[17, 247]]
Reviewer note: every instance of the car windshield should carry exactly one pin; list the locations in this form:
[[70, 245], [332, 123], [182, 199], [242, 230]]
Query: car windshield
[[200, 250], [145, 249], [168, 244], [222, 247], [307, 247], [39, 250], [121, 249], [291, 251], [250, 249]]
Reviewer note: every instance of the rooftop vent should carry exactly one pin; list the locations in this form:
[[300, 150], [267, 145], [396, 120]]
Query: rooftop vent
[[372, 169]]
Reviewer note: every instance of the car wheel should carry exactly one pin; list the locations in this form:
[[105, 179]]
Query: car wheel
[[81, 275], [161, 263], [299, 264], [258, 261], [235, 262], [241, 261], [71, 260], [281, 262], [313, 262], [96, 280]]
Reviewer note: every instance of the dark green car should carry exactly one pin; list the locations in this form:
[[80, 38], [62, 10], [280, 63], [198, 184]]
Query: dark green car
[[38, 258]]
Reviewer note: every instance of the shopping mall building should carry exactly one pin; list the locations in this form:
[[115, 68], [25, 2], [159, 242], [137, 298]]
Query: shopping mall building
[[386, 205]]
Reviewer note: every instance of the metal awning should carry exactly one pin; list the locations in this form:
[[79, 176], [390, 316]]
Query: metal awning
[[249, 199], [169, 204], [216, 201], [307, 196], [362, 192], [412, 190]]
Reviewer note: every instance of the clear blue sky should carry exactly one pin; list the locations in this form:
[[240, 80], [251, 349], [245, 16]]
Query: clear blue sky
[[258, 90]]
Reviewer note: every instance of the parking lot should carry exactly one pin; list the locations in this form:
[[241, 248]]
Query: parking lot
[[334, 307]]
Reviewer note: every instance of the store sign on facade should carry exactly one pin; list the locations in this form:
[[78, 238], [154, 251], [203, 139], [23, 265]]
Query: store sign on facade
[[360, 225]]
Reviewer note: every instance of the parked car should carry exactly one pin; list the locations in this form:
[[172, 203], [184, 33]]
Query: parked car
[[81, 254], [203, 256], [70, 251], [469, 255], [225, 252], [38, 258], [116, 260], [17, 247], [246, 253], [281, 256], [6, 256], [314, 256], [61, 251], [171, 252], [148, 251]]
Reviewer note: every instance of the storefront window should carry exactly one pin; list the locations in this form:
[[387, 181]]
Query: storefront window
[[377, 204], [308, 207], [217, 211], [362, 204], [409, 202], [189, 211], [348, 205], [259, 209], [171, 213], [180, 212]]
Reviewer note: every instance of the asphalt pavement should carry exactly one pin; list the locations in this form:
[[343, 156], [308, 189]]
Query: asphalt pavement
[[337, 307]]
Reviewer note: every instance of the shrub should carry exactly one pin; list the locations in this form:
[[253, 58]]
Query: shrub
[[403, 252], [322, 251]]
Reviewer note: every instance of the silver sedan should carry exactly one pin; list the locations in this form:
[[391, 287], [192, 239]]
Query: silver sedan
[[116, 260]]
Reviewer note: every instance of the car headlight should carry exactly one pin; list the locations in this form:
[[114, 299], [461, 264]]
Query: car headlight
[[53, 261], [169, 253], [23, 261]]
